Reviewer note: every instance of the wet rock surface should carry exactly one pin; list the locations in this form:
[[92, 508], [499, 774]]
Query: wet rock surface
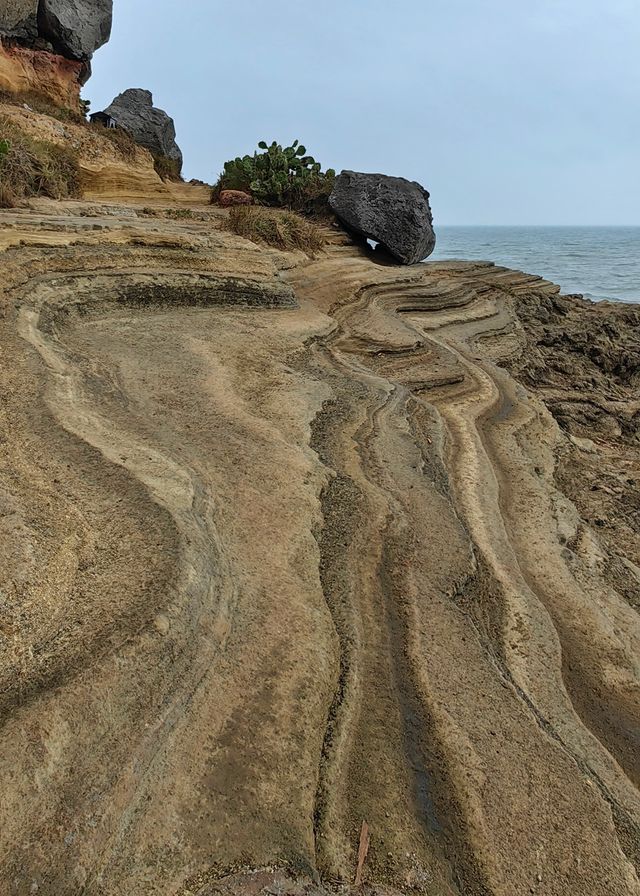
[[390, 210], [134, 112]]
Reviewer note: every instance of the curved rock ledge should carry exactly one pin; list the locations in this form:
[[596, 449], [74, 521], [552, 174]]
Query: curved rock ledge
[[271, 568]]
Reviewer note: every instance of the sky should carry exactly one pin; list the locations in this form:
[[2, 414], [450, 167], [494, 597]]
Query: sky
[[507, 111]]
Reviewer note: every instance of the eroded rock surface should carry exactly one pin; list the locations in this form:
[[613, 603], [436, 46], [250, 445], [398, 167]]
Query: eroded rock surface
[[67, 29], [27, 71], [134, 112], [390, 210], [75, 28], [19, 19], [272, 566]]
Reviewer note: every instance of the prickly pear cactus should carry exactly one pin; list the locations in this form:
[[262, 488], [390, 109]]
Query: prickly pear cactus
[[277, 175]]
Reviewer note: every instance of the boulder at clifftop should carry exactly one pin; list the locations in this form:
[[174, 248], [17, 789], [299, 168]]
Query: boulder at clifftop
[[390, 210], [75, 28], [134, 112]]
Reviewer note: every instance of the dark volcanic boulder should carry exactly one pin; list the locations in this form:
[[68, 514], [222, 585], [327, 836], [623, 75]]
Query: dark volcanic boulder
[[390, 210], [75, 28], [134, 112], [19, 19]]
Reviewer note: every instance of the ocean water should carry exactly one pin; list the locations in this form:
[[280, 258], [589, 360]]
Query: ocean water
[[598, 262]]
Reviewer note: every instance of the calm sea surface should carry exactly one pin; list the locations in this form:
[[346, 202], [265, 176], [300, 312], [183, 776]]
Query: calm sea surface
[[599, 262]]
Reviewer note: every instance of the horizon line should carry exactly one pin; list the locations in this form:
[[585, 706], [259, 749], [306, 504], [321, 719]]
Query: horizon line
[[584, 226]]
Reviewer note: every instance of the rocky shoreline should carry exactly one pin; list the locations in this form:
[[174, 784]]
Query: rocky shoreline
[[269, 571], [320, 568]]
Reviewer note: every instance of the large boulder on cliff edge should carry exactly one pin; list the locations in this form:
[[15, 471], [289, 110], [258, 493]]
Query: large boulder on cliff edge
[[389, 210], [134, 112], [75, 28]]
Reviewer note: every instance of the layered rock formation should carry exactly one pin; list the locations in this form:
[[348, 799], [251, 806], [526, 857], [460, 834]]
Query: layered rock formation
[[26, 72], [391, 211], [134, 112], [288, 544], [46, 47], [107, 171]]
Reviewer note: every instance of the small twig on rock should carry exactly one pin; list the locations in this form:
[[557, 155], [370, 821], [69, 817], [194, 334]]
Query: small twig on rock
[[363, 851]]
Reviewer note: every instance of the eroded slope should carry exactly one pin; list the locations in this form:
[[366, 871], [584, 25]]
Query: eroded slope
[[286, 548]]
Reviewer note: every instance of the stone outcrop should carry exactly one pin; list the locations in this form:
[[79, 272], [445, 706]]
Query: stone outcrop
[[390, 210], [267, 573], [19, 19], [25, 71], [76, 28], [134, 112]]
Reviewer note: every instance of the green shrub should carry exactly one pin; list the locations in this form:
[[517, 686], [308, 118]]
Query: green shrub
[[283, 177], [30, 167], [179, 214], [280, 229]]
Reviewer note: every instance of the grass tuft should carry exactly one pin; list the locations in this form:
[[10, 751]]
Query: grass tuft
[[280, 229], [123, 142], [39, 103], [30, 167]]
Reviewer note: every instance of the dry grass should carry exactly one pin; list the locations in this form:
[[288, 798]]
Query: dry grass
[[43, 105], [30, 167], [280, 229], [123, 142]]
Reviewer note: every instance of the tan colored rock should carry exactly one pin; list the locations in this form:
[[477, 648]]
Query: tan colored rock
[[106, 174], [25, 71], [380, 606]]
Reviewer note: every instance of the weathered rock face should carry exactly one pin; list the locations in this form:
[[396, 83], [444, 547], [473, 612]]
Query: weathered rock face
[[19, 19], [26, 71], [134, 112], [72, 29], [75, 28], [390, 210]]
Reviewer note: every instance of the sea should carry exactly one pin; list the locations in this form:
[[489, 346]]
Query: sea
[[597, 262]]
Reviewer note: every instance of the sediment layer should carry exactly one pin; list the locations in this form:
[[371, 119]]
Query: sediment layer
[[291, 544], [26, 72]]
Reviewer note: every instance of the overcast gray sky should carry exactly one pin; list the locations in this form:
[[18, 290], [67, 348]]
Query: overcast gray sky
[[508, 111]]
